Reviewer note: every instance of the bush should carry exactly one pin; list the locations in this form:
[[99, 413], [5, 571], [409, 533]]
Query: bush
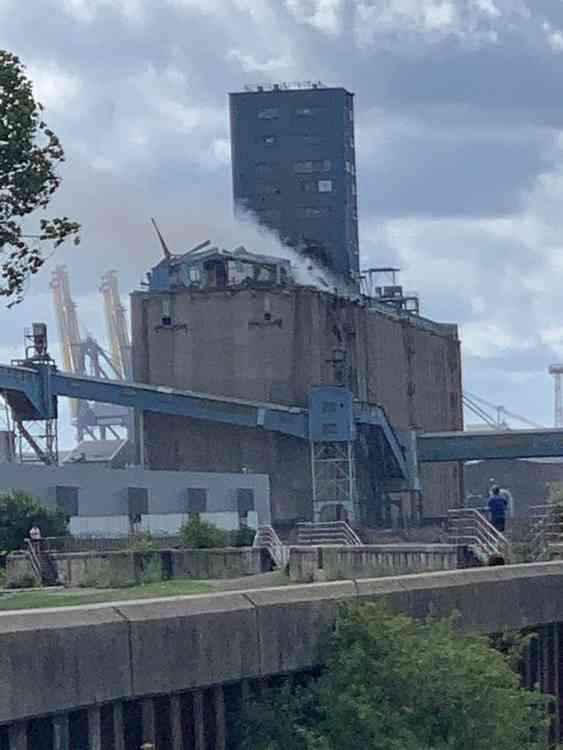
[[25, 581], [199, 534], [19, 512], [392, 683], [243, 537], [142, 542]]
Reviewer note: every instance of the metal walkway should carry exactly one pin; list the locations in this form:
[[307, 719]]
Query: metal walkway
[[32, 391]]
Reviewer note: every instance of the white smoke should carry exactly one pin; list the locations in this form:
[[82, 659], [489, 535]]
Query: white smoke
[[232, 232]]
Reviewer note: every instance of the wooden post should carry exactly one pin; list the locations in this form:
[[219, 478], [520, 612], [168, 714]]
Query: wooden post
[[149, 722], [220, 720], [557, 681], [17, 736], [94, 728], [61, 735], [118, 728], [199, 720], [176, 730]]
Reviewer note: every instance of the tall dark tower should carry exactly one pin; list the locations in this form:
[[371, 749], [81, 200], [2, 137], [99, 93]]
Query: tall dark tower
[[294, 167]]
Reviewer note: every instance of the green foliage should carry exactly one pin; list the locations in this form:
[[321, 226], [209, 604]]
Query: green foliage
[[25, 581], [19, 512], [392, 683], [29, 156], [151, 569], [142, 542], [243, 537], [200, 534]]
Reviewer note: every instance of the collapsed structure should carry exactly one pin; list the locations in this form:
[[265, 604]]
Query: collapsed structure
[[235, 324]]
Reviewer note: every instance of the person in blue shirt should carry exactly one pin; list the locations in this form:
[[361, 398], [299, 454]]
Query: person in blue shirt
[[497, 509]]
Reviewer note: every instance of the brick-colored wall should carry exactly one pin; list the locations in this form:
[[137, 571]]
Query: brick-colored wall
[[273, 345]]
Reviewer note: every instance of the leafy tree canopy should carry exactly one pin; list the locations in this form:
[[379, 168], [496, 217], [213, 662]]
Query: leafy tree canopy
[[18, 513], [29, 156], [200, 534], [392, 683]]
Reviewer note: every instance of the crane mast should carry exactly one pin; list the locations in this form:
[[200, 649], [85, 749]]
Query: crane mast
[[116, 325]]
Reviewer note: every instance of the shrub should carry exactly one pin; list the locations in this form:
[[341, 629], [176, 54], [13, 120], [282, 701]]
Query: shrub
[[25, 581], [200, 534], [243, 537], [392, 683], [18, 513]]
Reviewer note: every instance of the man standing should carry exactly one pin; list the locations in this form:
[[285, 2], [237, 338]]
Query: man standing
[[35, 536], [497, 509]]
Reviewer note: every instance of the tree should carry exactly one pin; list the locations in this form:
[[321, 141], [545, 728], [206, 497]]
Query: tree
[[392, 683], [200, 534], [29, 156], [18, 513]]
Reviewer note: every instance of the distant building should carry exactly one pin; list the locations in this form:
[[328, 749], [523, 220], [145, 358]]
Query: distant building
[[294, 167]]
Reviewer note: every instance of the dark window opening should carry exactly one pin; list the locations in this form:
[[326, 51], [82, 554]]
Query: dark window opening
[[197, 500]]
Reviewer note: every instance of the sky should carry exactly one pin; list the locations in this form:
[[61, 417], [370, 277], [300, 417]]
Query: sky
[[459, 137]]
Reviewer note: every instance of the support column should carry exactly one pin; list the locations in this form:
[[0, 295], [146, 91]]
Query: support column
[[199, 720], [220, 721], [17, 736], [118, 728], [176, 730], [149, 721], [61, 735], [94, 728]]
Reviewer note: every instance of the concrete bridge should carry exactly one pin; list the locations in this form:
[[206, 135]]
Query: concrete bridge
[[173, 672]]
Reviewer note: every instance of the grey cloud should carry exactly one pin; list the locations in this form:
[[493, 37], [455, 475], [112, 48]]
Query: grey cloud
[[462, 133]]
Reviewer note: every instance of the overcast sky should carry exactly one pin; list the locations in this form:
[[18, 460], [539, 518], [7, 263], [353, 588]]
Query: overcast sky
[[459, 120]]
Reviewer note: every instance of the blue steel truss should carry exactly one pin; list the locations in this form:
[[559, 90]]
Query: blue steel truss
[[32, 392]]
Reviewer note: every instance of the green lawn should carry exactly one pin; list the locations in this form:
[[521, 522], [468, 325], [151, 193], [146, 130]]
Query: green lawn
[[61, 598]]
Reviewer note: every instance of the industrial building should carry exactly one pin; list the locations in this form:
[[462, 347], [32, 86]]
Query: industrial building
[[240, 371], [294, 168], [261, 337]]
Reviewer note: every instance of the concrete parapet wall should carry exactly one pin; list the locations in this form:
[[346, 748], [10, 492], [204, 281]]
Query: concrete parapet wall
[[54, 660], [227, 562], [125, 568], [333, 563]]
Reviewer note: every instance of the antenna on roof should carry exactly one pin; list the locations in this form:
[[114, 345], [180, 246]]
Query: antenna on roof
[[165, 250]]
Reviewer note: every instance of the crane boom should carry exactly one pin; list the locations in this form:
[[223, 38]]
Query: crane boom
[[116, 325]]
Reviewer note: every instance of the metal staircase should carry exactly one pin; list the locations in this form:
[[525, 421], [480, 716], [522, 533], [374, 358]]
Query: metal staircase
[[267, 538], [468, 527], [334, 532], [43, 568]]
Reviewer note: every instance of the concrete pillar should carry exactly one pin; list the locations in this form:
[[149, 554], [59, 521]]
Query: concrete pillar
[[118, 728], [149, 721], [94, 728], [176, 733], [220, 720], [61, 735], [17, 736], [199, 720]]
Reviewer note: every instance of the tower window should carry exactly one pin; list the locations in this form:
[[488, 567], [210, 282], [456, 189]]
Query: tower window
[[325, 186], [271, 113], [270, 140]]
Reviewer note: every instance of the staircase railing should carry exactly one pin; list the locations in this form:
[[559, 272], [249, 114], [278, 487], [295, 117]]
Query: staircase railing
[[547, 528], [469, 527], [334, 532], [266, 537], [35, 560]]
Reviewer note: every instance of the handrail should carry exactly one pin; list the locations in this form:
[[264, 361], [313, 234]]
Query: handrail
[[329, 532], [470, 527], [267, 537], [547, 528], [35, 561]]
